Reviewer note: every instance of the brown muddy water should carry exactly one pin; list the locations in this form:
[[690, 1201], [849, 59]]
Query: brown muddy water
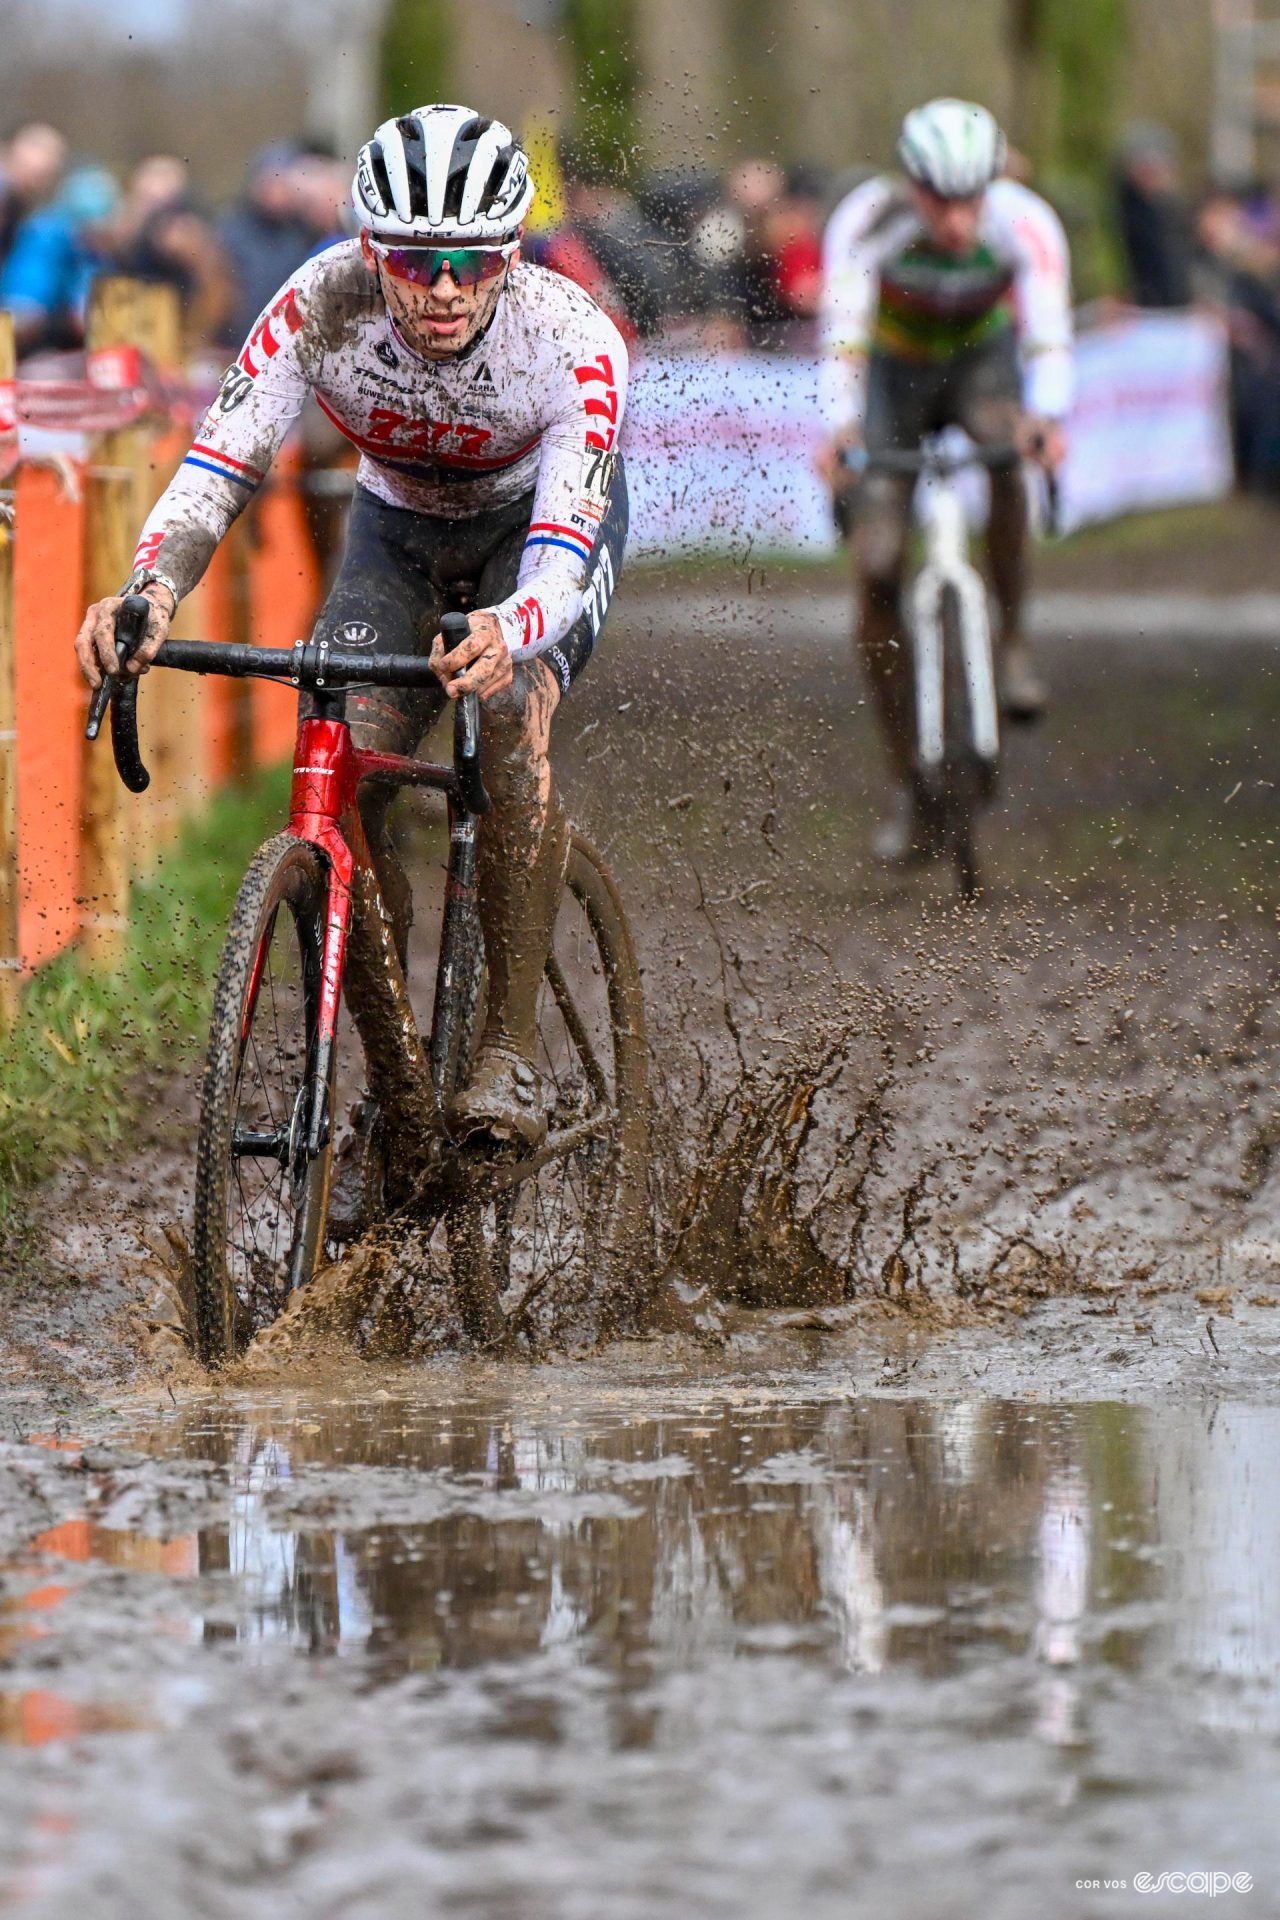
[[594, 1641], [937, 1577]]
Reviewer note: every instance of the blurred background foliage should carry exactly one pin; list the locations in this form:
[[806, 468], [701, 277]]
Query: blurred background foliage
[[415, 51], [643, 81], [1069, 62]]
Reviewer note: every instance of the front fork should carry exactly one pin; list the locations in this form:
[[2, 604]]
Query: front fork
[[458, 935], [337, 920], [947, 564]]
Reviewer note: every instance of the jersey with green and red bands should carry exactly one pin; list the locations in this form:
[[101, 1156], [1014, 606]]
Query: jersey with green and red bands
[[535, 403], [886, 288]]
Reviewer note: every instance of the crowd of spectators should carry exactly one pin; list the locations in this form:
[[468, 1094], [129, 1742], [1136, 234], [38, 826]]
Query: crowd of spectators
[[62, 223], [696, 259], [691, 257], [1220, 251]]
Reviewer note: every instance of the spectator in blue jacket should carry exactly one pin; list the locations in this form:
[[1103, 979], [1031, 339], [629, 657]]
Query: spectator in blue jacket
[[32, 161], [55, 255]]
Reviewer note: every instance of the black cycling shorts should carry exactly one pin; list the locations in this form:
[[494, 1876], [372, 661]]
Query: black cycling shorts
[[401, 571], [979, 389]]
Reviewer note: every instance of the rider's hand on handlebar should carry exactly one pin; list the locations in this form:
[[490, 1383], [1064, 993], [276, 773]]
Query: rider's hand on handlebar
[[830, 458], [96, 640], [1042, 440], [479, 664]]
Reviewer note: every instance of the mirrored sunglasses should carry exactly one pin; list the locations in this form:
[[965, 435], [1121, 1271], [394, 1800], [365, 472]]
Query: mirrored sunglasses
[[468, 266]]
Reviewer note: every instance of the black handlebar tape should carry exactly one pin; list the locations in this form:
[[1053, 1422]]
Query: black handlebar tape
[[466, 754], [305, 665], [1053, 505], [131, 629], [124, 736], [120, 691], [454, 628], [128, 639]]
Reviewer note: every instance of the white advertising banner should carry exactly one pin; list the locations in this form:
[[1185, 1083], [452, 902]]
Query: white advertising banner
[[720, 449], [1149, 427]]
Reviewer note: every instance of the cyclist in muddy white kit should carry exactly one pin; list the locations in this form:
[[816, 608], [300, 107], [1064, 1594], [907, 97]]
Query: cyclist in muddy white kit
[[485, 396], [946, 302]]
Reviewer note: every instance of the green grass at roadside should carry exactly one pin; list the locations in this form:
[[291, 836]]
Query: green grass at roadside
[[68, 1064], [1165, 528], [1215, 546]]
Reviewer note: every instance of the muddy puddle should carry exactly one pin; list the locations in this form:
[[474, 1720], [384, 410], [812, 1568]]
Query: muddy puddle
[[568, 1645]]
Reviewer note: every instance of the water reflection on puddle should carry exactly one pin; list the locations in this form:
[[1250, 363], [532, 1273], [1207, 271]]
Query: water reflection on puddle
[[866, 1536]]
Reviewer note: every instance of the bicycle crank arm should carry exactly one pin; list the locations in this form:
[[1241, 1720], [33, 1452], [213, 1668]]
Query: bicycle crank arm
[[479, 1176], [489, 1176]]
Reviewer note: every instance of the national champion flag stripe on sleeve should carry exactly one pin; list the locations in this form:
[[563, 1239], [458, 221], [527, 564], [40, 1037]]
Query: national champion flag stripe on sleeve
[[240, 474], [550, 533]]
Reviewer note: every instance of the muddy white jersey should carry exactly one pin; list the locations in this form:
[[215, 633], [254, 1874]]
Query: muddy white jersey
[[535, 403], [884, 286]]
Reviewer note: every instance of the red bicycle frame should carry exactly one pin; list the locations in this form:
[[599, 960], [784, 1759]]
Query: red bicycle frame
[[323, 810]]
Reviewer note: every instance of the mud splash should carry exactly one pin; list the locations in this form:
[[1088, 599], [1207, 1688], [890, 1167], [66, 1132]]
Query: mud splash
[[1064, 1096]]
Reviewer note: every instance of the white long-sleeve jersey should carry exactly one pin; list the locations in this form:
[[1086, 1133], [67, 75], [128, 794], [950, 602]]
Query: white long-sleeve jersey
[[536, 402], [883, 285]]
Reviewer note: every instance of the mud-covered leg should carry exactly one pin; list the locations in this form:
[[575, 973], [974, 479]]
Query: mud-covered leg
[[1022, 692], [990, 412], [398, 1074], [880, 544], [880, 547], [522, 851]]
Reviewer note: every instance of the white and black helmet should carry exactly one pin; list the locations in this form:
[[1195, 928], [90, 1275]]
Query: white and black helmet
[[952, 147], [442, 174]]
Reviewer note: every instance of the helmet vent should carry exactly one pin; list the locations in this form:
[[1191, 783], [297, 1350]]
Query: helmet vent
[[381, 178], [415, 162], [465, 142]]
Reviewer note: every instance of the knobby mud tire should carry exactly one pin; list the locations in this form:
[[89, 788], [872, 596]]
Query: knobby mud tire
[[286, 874]]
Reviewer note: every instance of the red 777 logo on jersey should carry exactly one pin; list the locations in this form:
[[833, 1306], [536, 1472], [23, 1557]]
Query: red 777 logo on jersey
[[529, 613], [603, 406]]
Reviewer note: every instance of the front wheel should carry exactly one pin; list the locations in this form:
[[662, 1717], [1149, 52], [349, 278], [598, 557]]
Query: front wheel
[[261, 1198]]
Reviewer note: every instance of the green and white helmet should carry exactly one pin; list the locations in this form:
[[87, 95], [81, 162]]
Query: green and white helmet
[[952, 147]]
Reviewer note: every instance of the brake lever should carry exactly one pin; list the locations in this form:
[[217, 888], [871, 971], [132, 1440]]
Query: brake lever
[[131, 625], [119, 690]]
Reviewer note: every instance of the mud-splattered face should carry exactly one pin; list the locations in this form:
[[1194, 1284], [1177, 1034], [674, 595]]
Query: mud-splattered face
[[441, 320]]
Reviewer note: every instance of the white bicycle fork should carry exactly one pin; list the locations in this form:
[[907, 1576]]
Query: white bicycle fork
[[947, 564]]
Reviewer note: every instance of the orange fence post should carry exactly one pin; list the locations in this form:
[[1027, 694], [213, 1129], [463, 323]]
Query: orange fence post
[[239, 694], [9, 958], [114, 513], [172, 702], [285, 596], [48, 601]]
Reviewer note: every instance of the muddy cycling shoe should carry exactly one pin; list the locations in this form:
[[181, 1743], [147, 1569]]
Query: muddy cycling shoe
[[902, 839], [502, 1101], [1023, 694]]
